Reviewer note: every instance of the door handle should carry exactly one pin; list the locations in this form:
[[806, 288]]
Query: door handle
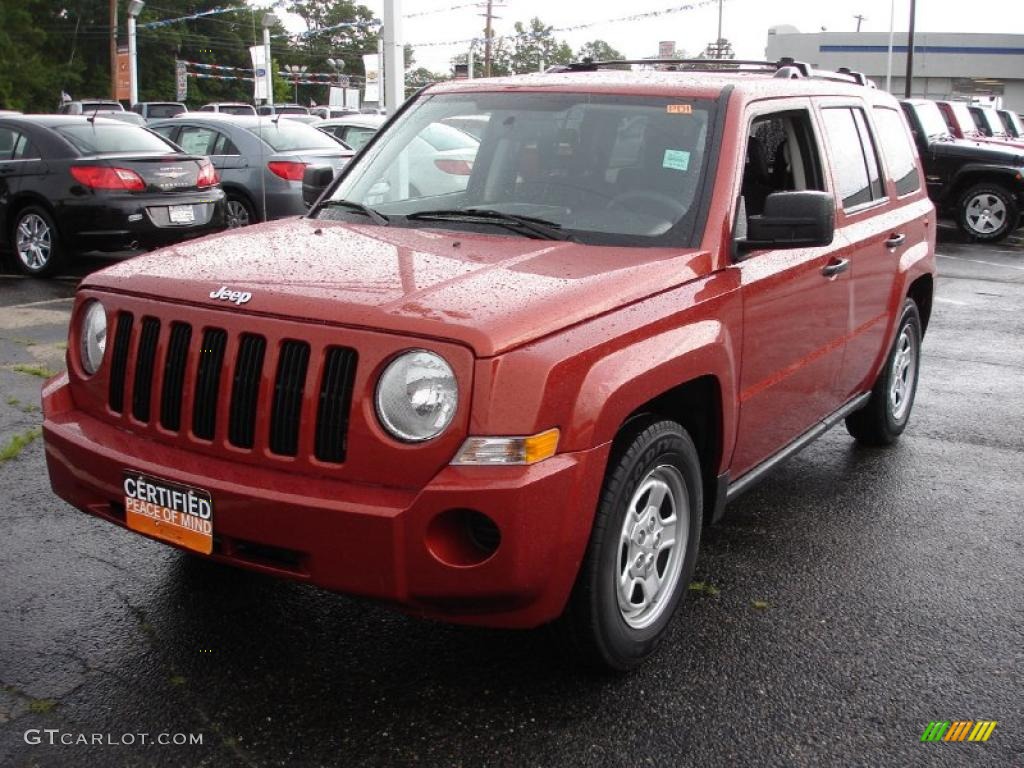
[[896, 240], [835, 267]]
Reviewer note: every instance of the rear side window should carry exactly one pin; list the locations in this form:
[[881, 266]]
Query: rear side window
[[856, 171], [8, 138], [197, 141], [101, 137], [897, 149]]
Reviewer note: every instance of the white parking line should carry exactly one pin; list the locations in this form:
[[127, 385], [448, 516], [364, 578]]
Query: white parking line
[[952, 301], [979, 261], [40, 303]]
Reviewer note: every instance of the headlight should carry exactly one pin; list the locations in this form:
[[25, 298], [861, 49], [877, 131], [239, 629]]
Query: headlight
[[93, 337], [417, 396]]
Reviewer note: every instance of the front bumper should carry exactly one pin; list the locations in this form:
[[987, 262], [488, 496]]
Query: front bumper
[[352, 538], [115, 222]]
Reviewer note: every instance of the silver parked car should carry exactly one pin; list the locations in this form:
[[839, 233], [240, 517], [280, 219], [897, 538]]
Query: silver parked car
[[355, 129], [261, 160]]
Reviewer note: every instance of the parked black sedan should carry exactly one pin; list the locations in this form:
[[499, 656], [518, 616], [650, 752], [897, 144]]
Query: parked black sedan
[[86, 183]]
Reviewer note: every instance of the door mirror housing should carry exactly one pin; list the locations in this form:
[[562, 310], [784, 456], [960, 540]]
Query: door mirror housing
[[315, 180], [792, 220]]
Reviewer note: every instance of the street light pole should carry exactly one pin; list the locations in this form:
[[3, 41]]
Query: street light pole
[[134, 9], [394, 56], [269, 20], [910, 50]]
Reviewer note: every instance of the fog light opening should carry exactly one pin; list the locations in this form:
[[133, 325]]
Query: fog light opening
[[463, 537]]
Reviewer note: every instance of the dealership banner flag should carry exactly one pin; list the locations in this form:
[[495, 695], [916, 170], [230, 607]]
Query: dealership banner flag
[[261, 84]]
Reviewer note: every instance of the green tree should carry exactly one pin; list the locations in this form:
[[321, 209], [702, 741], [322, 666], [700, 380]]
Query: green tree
[[528, 48], [325, 39], [598, 50]]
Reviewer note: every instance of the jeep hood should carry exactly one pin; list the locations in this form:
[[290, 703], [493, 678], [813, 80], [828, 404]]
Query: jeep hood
[[491, 293], [988, 153]]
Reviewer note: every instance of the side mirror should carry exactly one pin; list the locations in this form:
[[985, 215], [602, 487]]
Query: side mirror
[[792, 220], [315, 180]]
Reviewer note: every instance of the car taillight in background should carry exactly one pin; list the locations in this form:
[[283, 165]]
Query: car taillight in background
[[207, 175], [454, 167], [103, 177], [287, 169]]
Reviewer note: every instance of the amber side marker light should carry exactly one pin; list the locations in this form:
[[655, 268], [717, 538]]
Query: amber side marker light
[[507, 450]]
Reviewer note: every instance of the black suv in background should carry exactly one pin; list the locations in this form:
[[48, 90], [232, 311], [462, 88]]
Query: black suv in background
[[981, 186]]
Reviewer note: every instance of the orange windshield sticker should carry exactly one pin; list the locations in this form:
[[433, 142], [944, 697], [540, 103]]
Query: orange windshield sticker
[[680, 109]]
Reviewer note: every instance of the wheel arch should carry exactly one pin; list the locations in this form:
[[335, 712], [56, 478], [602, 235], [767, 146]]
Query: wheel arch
[[970, 175], [921, 290], [238, 190]]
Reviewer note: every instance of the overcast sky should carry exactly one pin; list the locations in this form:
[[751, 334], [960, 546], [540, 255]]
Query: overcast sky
[[745, 22]]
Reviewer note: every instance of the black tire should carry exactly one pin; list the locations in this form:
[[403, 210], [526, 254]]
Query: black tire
[[987, 212], [885, 416], [34, 223], [238, 211], [594, 627]]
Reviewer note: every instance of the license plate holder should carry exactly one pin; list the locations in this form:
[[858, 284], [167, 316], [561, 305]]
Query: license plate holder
[[176, 513], [181, 214]]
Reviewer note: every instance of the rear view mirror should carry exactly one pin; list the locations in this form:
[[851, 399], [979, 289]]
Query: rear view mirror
[[792, 220], [315, 180]]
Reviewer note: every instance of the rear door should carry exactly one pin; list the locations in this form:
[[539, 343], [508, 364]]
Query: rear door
[[795, 301], [877, 229], [19, 162]]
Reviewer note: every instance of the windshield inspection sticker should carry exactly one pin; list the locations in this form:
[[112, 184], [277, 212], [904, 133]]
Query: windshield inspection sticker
[[676, 159], [679, 109]]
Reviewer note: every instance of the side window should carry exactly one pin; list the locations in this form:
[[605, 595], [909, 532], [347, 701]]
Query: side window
[[856, 166], [197, 141], [867, 143], [167, 131], [781, 156], [898, 151], [356, 136], [224, 146], [8, 138], [24, 149]]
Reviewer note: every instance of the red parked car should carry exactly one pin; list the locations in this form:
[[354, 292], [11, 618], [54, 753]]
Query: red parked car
[[517, 402], [966, 122]]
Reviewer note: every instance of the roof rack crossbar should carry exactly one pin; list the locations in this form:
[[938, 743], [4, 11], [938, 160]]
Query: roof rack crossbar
[[785, 67]]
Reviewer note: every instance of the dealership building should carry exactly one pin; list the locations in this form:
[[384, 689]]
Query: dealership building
[[981, 67]]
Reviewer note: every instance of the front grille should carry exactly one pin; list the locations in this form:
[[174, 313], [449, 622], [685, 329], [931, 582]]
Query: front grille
[[335, 403], [119, 360], [288, 389], [144, 359], [211, 363], [248, 375]]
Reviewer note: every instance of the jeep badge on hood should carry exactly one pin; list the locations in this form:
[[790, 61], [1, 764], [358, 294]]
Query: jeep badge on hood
[[238, 297]]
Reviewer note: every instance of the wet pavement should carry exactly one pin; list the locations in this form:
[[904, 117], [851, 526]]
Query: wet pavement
[[852, 598]]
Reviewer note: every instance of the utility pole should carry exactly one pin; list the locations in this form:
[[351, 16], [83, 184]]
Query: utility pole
[[719, 38], [910, 50], [488, 32], [113, 49], [394, 56], [859, 18]]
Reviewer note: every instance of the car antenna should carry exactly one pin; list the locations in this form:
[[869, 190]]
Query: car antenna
[[92, 118]]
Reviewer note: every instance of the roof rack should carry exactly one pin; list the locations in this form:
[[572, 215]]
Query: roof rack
[[784, 68]]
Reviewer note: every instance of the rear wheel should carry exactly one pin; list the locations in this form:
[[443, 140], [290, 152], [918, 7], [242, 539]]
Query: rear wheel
[[885, 416], [642, 549], [987, 212], [238, 212], [38, 250]]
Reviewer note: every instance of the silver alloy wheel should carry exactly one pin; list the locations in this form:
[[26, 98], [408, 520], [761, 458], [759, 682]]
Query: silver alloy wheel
[[986, 213], [34, 242], [236, 214], [903, 373], [652, 546]]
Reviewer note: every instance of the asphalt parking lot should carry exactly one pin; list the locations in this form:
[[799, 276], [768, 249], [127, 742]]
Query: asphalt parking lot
[[848, 601]]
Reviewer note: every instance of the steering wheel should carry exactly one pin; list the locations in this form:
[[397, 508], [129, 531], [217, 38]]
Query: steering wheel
[[674, 207]]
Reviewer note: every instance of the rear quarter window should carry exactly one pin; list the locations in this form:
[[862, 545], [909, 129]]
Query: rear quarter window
[[899, 153]]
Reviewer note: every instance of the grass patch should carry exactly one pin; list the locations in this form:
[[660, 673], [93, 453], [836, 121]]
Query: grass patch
[[18, 443], [178, 680], [41, 706], [760, 605], [34, 370], [13, 402], [704, 588]]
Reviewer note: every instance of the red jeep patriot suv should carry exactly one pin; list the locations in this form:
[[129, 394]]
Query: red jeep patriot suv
[[504, 378]]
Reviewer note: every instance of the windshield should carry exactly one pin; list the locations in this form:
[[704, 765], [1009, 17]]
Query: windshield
[[931, 119], [165, 110], [284, 135], [102, 137], [1012, 123], [605, 169], [963, 118], [991, 118]]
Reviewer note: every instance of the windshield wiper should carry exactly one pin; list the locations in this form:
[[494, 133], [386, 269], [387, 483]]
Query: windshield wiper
[[375, 216], [539, 228]]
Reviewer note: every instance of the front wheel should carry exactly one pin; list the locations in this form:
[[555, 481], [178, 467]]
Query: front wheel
[[885, 416], [238, 212], [987, 212], [642, 549]]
